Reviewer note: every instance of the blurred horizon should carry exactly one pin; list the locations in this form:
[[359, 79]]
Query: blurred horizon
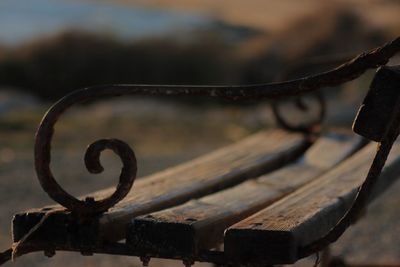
[[69, 44], [20, 23]]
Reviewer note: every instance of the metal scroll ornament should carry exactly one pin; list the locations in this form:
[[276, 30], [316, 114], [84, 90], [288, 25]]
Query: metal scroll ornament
[[310, 122]]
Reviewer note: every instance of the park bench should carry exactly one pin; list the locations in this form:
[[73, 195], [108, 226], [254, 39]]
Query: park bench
[[273, 198]]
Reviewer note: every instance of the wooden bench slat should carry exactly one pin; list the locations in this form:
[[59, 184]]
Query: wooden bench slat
[[199, 224], [275, 234], [253, 156]]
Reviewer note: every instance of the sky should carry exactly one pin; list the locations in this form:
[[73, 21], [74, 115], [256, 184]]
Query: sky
[[22, 21]]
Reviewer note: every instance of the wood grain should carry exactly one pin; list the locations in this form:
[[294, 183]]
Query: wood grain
[[253, 156], [199, 224], [274, 235]]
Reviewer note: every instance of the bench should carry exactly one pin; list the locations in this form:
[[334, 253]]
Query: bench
[[273, 198]]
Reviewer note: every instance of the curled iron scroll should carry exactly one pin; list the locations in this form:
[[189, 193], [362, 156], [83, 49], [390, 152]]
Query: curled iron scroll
[[92, 162], [302, 106], [346, 72]]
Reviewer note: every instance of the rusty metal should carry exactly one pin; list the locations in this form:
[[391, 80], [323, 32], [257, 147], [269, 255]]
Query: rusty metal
[[210, 256], [303, 126], [91, 207], [92, 162], [387, 139]]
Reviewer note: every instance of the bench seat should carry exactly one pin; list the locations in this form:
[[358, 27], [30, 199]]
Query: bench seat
[[251, 157], [260, 213], [199, 224], [276, 234]]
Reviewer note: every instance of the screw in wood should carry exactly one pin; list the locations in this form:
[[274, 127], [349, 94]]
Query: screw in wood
[[188, 262], [86, 253], [49, 253], [145, 260]]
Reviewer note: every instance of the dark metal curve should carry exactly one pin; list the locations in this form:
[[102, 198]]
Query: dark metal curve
[[126, 179], [306, 127], [346, 72], [365, 190], [92, 162]]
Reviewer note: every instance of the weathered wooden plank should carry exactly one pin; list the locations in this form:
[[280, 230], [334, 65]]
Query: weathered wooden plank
[[253, 156], [275, 234], [199, 224]]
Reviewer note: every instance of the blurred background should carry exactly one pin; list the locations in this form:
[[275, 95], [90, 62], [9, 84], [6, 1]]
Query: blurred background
[[49, 48]]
